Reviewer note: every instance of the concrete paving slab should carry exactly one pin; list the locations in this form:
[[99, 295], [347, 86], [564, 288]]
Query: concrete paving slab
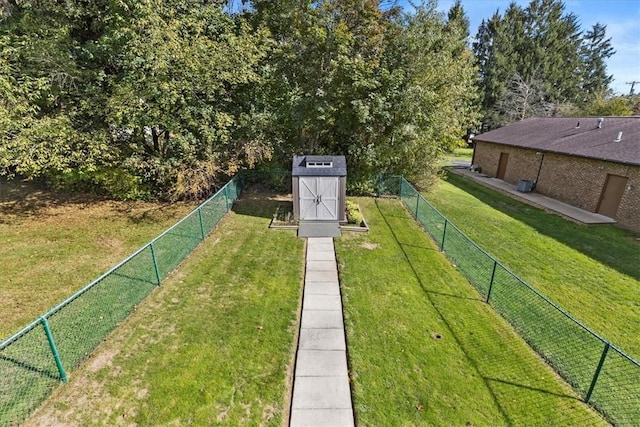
[[322, 418], [321, 319], [320, 247], [321, 288], [321, 255], [321, 339], [320, 241], [321, 265], [319, 229], [322, 276], [537, 199], [321, 393], [324, 249], [321, 363], [322, 302]]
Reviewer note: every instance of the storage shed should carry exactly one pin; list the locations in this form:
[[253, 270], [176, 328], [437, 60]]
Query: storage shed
[[319, 188]]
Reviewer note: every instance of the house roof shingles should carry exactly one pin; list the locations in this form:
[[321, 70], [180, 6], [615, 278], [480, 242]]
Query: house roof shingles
[[561, 135]]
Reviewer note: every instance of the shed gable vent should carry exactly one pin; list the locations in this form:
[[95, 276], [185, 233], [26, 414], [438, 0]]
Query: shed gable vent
[[319, 164]]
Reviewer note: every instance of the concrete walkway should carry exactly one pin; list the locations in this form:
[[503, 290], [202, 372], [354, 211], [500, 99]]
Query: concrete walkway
[[536, 199], [321, 392]]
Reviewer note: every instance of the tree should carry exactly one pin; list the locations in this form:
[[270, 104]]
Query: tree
[[45, 82], [498, 47], [594, 52], [434, 98], [552, 49], [523, 99], [174, 107], [325, 80], [165, 98], [541, 47], [139, 102], [391, 91], [607, 106]]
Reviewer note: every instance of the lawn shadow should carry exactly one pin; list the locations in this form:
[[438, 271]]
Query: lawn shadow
[[445, 317], [534, 389], [21, 198], [426, 248], [600, 242], [261, 204], [48, 373], [148, 215], [444, 294]]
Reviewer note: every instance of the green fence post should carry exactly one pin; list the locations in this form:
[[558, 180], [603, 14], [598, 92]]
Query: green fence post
[[444, 233], [493, 275], [598, 369], [226, 196], [155, 263], [54, 349], [201, 224], [417, 204]]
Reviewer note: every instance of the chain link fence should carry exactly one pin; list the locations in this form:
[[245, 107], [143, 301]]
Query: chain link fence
[[603, 375], [37, 358]]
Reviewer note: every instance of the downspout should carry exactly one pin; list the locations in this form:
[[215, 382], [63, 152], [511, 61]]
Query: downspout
[[473, 156], [535, 183]]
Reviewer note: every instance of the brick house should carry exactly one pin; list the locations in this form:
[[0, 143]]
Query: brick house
[[592, 163]]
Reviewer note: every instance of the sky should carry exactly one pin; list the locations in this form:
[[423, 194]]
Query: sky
[[622, 18]]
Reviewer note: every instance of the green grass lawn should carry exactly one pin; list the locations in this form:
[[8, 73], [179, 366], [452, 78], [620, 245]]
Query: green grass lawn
[[593, 272], [213, 345], [55, 243], [459, 154], [424, 349]]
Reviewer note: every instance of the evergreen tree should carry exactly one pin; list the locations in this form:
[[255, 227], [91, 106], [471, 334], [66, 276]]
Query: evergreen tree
[[457, 20], [594, 52], [540, 51], [552, 49]]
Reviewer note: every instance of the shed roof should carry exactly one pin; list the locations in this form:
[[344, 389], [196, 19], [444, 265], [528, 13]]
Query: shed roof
[[563, 135], [338, 166]]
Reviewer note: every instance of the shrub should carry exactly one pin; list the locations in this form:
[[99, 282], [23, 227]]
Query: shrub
[[354, 216]]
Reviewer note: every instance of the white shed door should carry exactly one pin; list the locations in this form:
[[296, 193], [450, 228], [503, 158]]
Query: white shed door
[[319, 198]]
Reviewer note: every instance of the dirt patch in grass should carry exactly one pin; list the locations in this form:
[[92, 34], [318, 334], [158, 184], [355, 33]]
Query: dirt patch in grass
[[370, 245], [100, 360]]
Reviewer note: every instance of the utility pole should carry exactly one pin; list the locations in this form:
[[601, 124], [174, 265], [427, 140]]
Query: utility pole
[[633, 83]]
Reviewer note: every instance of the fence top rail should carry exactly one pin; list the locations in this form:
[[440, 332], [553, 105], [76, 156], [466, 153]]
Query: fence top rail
[[425, 200], [168, 230], [534, 290], [68, 300], [4, 344], [467, 238], [450, 224]]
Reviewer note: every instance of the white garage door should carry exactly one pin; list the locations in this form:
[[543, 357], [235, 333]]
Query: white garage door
[[319, 198]]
